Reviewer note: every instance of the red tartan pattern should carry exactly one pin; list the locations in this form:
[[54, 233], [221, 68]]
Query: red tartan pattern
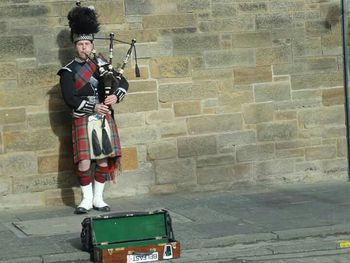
[[83, 76], [81, 146]]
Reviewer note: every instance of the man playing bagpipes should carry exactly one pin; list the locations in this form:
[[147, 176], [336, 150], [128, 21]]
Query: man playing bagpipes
[[94, 131]]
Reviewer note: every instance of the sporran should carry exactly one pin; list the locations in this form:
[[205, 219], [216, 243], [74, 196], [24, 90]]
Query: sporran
[[97, 137]]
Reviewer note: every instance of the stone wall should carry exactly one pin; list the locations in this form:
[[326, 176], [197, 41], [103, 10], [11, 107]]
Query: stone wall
[[231, 93]]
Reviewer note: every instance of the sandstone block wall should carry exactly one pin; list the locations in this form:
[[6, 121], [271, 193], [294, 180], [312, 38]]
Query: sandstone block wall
[[231, 93]]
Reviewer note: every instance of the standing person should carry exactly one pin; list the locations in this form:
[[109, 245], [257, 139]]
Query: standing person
[[82, 89]]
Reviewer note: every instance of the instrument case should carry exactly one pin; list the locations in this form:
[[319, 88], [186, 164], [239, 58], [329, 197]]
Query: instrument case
[[130, 237]]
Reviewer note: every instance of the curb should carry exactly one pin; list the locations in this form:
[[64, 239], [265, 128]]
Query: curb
[[332, 230], [281, 235]]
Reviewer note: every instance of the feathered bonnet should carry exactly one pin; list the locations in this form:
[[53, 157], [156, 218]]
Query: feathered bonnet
[[83, 23]]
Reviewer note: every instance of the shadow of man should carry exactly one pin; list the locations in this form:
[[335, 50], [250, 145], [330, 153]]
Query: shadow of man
[[60, 121]]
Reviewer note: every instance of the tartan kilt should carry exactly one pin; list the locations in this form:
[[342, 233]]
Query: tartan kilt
[[80, 139]]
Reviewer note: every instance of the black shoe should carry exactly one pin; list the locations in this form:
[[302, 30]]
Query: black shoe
[[81, 210], [102, 209]]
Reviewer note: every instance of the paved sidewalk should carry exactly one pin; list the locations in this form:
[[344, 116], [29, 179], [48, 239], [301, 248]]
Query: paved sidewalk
[[248, 222]]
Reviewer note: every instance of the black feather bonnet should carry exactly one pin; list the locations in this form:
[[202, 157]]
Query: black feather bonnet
[[83, 23]]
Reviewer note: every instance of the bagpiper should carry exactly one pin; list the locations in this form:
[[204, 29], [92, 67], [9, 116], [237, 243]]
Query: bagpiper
[[96, 145]]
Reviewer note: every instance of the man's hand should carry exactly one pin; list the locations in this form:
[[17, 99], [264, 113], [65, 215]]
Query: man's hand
[[101, 108], [111, 99]]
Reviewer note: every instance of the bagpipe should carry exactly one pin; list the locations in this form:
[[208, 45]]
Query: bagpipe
[[111, 85], [111, 78]]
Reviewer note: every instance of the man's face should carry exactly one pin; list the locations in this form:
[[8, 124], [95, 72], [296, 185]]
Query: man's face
[[84, 48]]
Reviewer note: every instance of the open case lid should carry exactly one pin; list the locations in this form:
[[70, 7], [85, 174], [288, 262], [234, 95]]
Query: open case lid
[[128, 229]]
